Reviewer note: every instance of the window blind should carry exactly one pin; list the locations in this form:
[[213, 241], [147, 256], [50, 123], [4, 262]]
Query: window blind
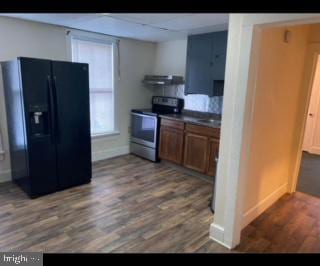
[[100, 57]]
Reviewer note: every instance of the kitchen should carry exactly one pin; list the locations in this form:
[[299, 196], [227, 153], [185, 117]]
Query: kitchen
[[189, 138], [99, 187], [189, 132]]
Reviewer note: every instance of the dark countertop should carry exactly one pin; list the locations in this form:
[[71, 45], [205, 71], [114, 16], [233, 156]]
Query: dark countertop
[[193, 118]]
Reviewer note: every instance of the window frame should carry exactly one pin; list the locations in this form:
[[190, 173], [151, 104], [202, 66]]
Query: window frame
[[104, 39]]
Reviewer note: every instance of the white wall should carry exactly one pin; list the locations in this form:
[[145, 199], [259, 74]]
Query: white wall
[[22, 38], [171, 58], [136, 60]]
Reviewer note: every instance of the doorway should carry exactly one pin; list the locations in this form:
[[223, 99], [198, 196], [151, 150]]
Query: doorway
[[253, 175], [308, 179], [287, 72]]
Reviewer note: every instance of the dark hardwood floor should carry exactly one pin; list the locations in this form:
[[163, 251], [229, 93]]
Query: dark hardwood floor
[[292, 224], [133, 205]]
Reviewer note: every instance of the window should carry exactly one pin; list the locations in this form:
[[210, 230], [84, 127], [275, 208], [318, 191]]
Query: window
[[100, 57]]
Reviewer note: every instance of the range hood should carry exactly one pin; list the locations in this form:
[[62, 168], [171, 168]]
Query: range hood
[[163, 80]]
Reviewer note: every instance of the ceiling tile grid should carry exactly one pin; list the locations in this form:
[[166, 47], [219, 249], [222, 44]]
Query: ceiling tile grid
[[156, 27]]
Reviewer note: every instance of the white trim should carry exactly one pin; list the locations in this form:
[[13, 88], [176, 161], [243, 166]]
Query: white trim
[[230, 174], [5, 176], [264, 204], [225, 148], [84, 35], [109, 153], [234, 204], [217, 234], [105, 135]]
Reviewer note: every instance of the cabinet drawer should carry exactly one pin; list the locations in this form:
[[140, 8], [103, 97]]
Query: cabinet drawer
[[172, 123], [203, 130]]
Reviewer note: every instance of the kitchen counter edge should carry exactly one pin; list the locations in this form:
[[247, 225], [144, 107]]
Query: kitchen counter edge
[[190, 120]]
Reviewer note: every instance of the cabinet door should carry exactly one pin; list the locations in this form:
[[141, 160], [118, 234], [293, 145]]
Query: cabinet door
[[219, 52], [198, 69], [212, 156], [195, 152], [171, 144], [206, 60]]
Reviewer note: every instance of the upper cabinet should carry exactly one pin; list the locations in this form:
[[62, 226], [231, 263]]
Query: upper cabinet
[[206, 59]]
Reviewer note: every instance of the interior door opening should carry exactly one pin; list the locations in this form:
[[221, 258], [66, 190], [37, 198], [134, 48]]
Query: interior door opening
[[282, 59], [308, 179], [285, 60]]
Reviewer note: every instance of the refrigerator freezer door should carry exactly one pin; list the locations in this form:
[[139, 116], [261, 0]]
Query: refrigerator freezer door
[[41, 150], [73, 140]]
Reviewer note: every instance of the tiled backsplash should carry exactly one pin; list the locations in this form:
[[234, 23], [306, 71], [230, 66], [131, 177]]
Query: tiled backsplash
[[194, 102]]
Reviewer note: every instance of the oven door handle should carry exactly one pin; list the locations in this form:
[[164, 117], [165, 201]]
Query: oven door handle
[[144, 115]]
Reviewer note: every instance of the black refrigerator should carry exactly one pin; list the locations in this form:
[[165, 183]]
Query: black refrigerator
[[48, 117]]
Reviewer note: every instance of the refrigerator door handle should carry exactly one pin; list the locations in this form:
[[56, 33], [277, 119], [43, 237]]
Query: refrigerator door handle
[[54, 92], [52, 111]]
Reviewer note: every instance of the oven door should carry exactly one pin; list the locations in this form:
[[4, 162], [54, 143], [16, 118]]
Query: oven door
[[144, 129]]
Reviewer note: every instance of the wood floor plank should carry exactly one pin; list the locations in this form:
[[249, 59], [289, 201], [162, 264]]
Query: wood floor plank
[[129, 204], [290, 225], [133, 205]]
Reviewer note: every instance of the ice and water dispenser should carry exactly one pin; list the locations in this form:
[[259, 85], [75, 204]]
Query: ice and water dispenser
[[39, 120]]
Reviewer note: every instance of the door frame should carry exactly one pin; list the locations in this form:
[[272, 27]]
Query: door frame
[[237, 114], [315, 92], [310, 80]]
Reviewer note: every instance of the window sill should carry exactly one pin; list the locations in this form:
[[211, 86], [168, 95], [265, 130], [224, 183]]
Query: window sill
[[104, 135]]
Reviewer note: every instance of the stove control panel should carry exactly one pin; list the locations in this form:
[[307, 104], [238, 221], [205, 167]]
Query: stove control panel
[[168, 101]]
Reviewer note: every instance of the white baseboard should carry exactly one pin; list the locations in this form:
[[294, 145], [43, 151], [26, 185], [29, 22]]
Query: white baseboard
[[109, 153], [5, 175], [259, 208], [217, 234]]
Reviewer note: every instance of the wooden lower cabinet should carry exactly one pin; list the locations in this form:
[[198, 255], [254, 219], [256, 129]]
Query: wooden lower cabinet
[[212, 156], [195, 152], [195, 147], [171, 144]]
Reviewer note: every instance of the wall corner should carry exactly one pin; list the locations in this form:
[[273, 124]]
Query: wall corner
[[217, 235]]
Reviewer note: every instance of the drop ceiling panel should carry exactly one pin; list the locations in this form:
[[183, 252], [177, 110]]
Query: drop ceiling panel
[[148, 27], [112, 26], [150, 18], [57, 19], [194, 21], [207, 29]]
